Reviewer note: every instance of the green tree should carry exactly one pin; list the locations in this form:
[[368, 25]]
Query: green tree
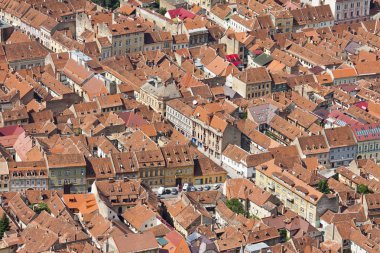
[[323, 186], [4, 225], [110, 4], [162, 11], [283, 234], [244, 115], [363, 189], [41, 207], [235, 206]]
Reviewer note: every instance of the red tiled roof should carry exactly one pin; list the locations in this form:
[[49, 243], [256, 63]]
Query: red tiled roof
[[181, 13]]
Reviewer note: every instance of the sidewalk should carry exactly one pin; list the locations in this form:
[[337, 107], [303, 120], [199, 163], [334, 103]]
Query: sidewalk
[[231, 172]]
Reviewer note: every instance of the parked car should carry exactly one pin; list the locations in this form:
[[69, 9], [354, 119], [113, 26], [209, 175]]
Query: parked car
[[200, 188], [207, 187], [174, 191], [185, 187], [161, 190], [193, 189], [216, 186], [167, 191]]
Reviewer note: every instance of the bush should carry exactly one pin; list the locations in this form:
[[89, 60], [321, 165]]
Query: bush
[[41, 207], [110, 4], [4, 225], [323, 186], [162, 11], [236, 206], [363, 189]]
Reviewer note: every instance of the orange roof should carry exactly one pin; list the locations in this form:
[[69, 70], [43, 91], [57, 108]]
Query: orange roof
[[275, 66], [368, 68], [177, 244], [18, 83], [365, 56], [324, 79], [127, 9], [138, 215], [344, 73], [218, 123], [149, 130], [84, 203]]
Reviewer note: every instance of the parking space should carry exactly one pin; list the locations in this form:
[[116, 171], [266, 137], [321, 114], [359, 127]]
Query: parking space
[[172, 192]]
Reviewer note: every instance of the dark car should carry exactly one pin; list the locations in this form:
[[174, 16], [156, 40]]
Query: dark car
[[216, 186]]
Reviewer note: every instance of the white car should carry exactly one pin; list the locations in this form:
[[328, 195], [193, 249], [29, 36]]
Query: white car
[[161, 190], [185, 187]]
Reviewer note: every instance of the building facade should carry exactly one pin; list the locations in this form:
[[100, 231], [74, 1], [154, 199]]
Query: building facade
[[179, 165], [342, 145], [155, 94], [67, 172], [179, 114], [151, 165], [345, 10], [212, 134], [296, 195], [252, 83], [368, 141], [28, 175]]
